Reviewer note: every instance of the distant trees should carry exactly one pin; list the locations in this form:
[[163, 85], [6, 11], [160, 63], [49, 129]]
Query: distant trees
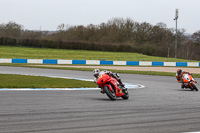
[[117, 34], [196, 37], [11, 30]]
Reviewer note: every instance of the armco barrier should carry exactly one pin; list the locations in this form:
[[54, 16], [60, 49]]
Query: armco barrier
[[101, 62]]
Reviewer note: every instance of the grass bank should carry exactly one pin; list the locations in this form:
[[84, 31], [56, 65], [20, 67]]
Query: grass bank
[[47, 53], [23, 81]]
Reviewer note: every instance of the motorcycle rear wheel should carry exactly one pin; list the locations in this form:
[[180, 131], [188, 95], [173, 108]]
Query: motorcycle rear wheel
[[194, 87], [109, 93]]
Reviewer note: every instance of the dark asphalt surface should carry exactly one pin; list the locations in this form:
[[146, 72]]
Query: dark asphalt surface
[[160, 107]]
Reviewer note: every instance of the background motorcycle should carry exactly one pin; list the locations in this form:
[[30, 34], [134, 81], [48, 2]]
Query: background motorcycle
[[111, 87], [189, 82]]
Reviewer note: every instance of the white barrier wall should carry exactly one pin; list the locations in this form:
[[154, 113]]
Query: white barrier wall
[[169, 63], [145, 63], [101, 62], [5, 60], [37, 61]]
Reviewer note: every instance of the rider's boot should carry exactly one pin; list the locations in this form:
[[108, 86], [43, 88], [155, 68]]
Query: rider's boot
[[101, 90], [182, 86]]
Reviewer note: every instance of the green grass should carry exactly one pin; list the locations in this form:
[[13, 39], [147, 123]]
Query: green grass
[[45, 53], [91, 69], [121, 71], [22, 81]]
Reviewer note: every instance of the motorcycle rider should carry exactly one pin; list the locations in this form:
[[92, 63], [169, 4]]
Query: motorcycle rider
[[179, 76], [97, 73]]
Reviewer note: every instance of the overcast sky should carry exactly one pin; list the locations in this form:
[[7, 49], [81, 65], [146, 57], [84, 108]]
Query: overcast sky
[[48, 14]]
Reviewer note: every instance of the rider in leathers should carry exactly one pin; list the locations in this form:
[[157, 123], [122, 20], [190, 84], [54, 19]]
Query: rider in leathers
[[179, 76], [97, 73]]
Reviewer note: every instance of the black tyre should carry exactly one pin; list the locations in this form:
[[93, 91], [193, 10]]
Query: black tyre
[[126, 95], [109, 93], [194, 87]]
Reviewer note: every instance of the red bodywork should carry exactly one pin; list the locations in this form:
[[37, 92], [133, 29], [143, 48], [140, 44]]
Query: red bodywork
[[105, 80]]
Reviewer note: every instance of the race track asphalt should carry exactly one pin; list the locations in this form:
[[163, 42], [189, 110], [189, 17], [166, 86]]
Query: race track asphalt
[[160, 107]]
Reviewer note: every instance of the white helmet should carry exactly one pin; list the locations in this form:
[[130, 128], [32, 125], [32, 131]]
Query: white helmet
[[96, 72]]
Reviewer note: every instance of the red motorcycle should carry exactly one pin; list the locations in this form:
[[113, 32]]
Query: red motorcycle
[[111, 87], [189, 82]]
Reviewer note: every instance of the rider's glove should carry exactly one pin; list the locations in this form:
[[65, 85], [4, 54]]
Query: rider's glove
[[109, 73], [122, 85]]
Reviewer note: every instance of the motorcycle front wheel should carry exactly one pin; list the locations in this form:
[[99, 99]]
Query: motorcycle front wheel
[[126, 95], [109, 93], [194, 87]]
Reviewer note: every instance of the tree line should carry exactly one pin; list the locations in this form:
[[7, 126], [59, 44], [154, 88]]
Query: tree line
[[117, 34]]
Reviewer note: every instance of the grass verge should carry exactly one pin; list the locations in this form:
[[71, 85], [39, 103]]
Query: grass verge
[[47, 53], [23, 81], [91, 69]]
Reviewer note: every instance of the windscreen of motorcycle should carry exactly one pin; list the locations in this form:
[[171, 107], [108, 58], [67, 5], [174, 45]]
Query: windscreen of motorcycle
[[102, 72], [186, 76]]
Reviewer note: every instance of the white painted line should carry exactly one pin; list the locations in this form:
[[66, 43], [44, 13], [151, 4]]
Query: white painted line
[[127, 85], [192, 132], [45, 89]]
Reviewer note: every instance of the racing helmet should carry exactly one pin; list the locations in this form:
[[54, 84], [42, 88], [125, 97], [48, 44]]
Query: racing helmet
[[96, 72], [179, 71]]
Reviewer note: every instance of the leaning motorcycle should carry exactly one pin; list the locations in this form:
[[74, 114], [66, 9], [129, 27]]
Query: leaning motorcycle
[[189, 82], [111, 87]]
